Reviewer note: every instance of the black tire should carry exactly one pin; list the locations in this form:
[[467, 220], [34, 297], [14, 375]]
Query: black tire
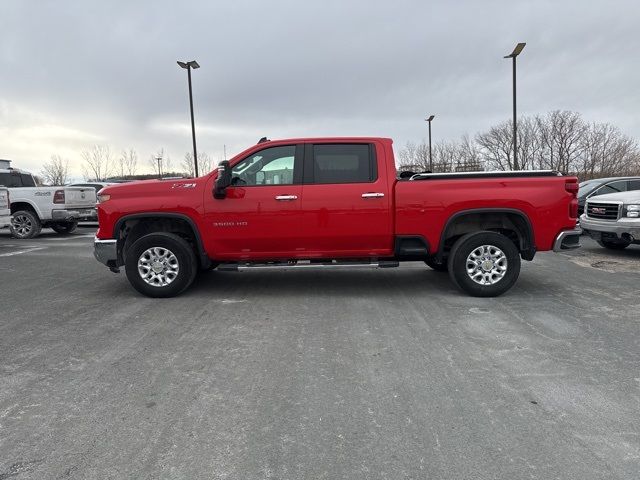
[[64, 228], [438, 267], [614, 245], [25, 224], [462, 250], [183, 256]]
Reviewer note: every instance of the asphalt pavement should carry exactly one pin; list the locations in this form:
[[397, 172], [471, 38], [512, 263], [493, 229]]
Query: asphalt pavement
[[336, 374]]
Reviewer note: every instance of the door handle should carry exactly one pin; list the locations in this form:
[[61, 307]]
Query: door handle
[[286, 198], [373, 195]]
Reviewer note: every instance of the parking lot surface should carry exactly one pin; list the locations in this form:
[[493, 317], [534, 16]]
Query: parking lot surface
[[349, 374]]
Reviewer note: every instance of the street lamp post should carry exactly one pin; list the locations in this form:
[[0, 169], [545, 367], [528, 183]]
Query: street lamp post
[[513, 55], [159, 160], [188, 66], [429, 119]]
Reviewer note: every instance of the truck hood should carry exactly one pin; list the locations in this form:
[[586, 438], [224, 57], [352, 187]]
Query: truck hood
[[624, 197]]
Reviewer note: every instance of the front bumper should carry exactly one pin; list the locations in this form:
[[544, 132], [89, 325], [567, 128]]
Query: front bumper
[[106, 252], [75, 214], [622, 227], [567, 240]]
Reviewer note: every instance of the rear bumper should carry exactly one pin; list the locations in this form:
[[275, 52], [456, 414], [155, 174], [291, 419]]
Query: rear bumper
[[106, 252], [567, 240], [75, 214]]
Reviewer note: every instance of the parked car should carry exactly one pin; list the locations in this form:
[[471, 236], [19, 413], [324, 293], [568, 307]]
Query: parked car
[[604, 186], [5, 208], [325, 201], [34, 208], [613, 220]]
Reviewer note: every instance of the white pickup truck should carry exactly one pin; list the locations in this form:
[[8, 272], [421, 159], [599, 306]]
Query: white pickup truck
[[34, 208], [5, 209]]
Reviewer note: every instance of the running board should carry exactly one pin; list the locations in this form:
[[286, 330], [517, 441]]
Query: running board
[[235, 267]]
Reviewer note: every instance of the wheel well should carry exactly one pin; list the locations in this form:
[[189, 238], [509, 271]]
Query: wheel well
[[513, 225], [17, 206], [130, 230]]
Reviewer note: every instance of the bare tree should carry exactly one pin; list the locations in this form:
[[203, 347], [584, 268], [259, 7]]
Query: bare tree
[[162, 166], [98, 163], [469, 157], [56, 171], [607, 152], [414, 157], [560, 140], [205, 164], [445, 156], [128, 163], [188, 166], [496, 146]]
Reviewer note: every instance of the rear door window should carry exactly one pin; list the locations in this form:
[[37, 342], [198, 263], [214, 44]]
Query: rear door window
[[27, 180], [342, 163]]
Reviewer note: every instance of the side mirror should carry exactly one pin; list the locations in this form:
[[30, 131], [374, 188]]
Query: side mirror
[[223, 180]]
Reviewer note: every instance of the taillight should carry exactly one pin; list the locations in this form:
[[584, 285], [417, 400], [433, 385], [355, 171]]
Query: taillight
[[572, 187], [58, 197], [573, 208]]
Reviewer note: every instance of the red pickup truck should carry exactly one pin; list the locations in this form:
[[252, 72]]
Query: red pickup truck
[[333, 202]]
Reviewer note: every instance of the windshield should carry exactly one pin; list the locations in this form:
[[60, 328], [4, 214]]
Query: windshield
[[585, 188]]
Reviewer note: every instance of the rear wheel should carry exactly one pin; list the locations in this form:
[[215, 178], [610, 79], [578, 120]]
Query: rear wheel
[[25, 224], [484, 264], [64, 228], [160, 265], [614, 244]]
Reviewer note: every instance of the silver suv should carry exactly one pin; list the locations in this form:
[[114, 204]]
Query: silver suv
[[613, 220]]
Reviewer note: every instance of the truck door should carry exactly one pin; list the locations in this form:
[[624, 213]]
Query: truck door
[[260, 216], [346, 204]]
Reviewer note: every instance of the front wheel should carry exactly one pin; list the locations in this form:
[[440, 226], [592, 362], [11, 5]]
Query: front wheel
[[160, 265], [484, 264], [614, 245], [64, 228]]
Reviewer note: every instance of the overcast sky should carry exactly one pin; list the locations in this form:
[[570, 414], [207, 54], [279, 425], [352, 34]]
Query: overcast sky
[[78, 73]]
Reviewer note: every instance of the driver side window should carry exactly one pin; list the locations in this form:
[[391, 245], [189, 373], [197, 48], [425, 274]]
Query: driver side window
[[271, 166]]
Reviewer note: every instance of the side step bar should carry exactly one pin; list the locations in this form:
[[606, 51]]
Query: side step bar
[[235, 267]]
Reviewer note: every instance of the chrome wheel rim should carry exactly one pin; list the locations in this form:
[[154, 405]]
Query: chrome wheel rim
[[158, 266], [486, 265], [22, 225]]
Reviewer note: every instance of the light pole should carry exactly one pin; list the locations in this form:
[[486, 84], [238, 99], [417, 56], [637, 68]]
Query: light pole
[[513, 55], [429, 119], [159, 159], [188, 66]]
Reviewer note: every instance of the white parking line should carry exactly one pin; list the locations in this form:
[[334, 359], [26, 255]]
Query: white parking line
[[20, 252], [70, 237]]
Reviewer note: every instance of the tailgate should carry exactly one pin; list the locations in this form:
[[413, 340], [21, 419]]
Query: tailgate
[[79, 197]]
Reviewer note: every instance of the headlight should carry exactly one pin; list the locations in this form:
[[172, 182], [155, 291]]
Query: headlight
[[103, 198], [633, 211]]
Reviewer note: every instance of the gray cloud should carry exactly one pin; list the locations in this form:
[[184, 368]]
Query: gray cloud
[[79, 72]]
